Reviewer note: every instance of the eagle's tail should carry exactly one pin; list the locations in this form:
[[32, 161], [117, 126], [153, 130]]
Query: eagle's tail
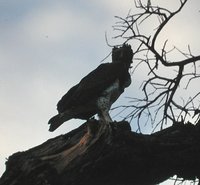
[[56, 121]]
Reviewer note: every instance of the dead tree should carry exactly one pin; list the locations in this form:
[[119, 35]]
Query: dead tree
[[95, 155], [89, 156]]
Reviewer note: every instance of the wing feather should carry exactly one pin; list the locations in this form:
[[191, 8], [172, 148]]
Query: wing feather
[[91, 86]]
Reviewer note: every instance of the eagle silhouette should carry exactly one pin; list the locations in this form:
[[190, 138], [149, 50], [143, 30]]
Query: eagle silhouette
[[97, 91]]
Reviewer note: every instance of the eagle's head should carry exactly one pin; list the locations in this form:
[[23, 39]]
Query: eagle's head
[[122, 54]]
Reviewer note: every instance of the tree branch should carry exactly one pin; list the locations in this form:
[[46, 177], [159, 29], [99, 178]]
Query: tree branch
[[87, 156], [163, 90]]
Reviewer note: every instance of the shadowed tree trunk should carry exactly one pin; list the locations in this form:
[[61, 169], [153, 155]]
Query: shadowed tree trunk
[[94, 155]]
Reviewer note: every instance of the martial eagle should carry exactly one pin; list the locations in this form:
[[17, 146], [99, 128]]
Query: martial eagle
[[97, 91]]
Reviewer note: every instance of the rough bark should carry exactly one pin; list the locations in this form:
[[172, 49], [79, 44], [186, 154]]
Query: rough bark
[[108, 155]]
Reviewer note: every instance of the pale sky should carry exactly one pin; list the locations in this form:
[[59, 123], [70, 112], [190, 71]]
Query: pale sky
[[46, 46]]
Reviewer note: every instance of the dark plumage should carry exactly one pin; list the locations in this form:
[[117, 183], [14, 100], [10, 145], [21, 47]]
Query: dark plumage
[[97, 91]]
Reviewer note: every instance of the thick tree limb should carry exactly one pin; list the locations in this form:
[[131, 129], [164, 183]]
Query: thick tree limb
[[94, 155]]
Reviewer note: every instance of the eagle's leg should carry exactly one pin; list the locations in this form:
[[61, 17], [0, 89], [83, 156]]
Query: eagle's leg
[[105, 120], [103, 104], [104, 117]]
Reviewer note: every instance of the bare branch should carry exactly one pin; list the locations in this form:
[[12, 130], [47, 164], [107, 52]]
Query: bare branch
[[159, 90]]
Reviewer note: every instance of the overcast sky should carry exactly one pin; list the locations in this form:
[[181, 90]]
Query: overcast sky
[[46, 46]]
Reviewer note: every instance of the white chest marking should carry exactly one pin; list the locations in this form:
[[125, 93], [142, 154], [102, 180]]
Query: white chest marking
[[109, 96]]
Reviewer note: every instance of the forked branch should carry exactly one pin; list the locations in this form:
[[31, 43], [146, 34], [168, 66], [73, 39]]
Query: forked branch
[[161, 101]]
